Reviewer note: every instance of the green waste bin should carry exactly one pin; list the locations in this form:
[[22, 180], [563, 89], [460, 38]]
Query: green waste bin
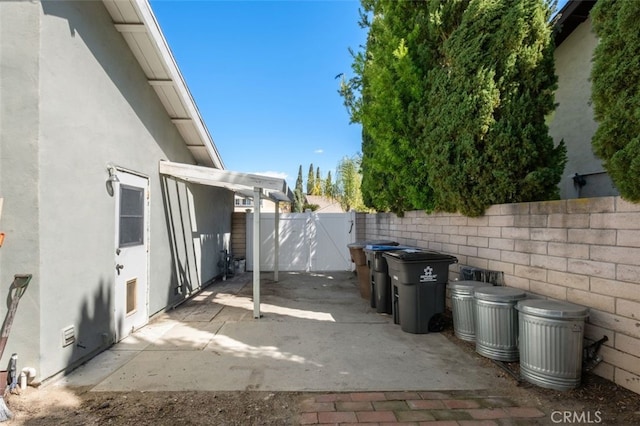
[[419, 278]]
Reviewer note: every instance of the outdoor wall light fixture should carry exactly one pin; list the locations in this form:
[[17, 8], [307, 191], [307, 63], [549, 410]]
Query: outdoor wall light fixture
[[579, 180], [112, 179]]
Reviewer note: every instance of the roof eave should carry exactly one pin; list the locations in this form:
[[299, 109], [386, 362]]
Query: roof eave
[[136, 21], [570, 16]]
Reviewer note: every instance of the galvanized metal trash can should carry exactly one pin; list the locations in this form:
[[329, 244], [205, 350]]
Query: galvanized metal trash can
[[463, 308], [551, 334], [497, 322]]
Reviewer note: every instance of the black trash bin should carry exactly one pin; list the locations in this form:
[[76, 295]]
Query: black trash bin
[[419, 278], [380, 282]]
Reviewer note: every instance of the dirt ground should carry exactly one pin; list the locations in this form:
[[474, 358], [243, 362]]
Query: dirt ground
[[50, 405], [615, 405]]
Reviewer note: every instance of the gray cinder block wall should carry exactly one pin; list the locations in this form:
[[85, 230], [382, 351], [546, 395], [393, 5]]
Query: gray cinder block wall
[[585, 251]]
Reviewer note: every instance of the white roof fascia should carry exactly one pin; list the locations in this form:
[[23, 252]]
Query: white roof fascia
[[275, 189], [150, 25]]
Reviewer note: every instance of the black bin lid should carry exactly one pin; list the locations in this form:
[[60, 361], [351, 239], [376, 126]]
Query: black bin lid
[[419, 255]]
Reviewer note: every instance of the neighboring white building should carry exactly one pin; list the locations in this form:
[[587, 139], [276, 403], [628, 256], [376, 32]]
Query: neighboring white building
[[573, 120], [244, 204], [325, 204]]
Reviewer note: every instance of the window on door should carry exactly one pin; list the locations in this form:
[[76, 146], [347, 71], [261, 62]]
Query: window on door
[[131, 216]]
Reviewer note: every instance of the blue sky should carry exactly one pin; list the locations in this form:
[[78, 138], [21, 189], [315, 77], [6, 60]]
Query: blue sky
[[263, 76]]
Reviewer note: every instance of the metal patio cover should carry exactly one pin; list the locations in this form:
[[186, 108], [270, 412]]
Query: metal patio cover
[[249, 185], [135, 20]]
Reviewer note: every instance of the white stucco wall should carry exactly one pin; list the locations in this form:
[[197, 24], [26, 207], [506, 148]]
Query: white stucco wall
[[573, 119], [19, 172], [92, 105]]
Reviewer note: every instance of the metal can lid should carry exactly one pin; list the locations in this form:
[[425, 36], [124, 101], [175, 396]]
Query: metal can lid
[[552, 309], [499, 293], [466, 286]]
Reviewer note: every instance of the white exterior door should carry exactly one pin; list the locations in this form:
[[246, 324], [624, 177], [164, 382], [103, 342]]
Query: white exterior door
[[131, 254]]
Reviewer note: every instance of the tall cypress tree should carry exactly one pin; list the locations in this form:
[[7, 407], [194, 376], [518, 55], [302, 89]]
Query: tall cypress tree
[[317, 183], [453, 100], [616, 99], [393, 76], [310, 180], [486, 141], [390, 75], [328, 186], [298, 195]]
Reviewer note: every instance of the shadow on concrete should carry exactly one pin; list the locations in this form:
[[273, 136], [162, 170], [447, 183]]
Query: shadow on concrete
[[316, 334]]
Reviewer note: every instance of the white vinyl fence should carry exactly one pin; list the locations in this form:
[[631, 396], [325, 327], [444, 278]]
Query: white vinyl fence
[[308, 241]]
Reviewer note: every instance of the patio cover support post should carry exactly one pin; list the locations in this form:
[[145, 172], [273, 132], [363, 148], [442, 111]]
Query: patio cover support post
[[276, 248], [257, 192]]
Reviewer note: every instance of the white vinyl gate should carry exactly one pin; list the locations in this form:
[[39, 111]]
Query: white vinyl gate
[[308, 241]]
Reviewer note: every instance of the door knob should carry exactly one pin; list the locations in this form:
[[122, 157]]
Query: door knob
[[119, 267]]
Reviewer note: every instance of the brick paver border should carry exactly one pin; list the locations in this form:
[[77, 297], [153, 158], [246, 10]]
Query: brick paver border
[[411, 408]]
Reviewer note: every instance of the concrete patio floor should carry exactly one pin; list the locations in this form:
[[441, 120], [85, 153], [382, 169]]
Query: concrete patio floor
[[316, 334]]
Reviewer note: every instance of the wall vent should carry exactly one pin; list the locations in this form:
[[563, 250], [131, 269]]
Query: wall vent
[[68, 336]]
